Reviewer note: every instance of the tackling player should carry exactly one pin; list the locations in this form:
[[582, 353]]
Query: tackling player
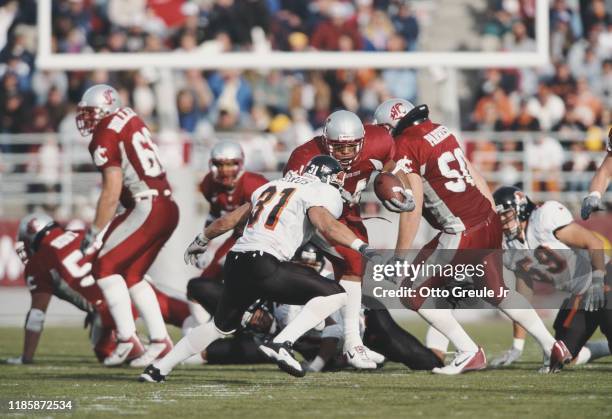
[[551, 235], [599, 184], [454, 198], [283, 214], [361, 151], [122, 149]]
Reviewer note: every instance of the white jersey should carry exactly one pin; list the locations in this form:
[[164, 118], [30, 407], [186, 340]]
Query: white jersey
[[543, 257], [279, 224]]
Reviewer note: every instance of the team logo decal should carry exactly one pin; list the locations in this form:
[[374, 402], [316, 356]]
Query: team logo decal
[[100, 156], [398, 111], [108, 96]]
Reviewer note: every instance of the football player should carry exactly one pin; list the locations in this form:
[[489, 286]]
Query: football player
[[550, 234], [55, 266], [455, 199], [123, 151], [599, 184], [282, 215], [361, 151]]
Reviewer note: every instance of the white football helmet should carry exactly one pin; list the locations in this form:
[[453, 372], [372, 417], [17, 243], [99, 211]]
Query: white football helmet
[[28, 233], [97, 102], [389, 113], [344, 134], [226, 162]]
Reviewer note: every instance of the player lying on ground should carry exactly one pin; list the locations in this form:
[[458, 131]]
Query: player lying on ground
[[321, 347], [122, 150], [55, 266], [454, 198], [361, 151], [599, 184], [282, 216], [544, 230]]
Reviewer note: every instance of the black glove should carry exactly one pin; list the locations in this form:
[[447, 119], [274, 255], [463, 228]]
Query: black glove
[[89, 239], [591, 203]]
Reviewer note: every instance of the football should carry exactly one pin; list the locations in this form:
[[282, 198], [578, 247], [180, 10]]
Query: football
[[387, 186]]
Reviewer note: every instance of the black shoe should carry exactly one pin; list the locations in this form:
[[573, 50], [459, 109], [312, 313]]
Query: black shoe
[[151, 375], [282, 354]]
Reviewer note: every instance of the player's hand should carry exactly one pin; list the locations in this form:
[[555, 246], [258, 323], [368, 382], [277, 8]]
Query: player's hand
[[507, 358], [196, 248], [591, 203], [371, 254], [395, 205], [89, 239], [594, 297]]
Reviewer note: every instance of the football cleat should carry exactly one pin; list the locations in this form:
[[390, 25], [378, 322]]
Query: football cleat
[[375, 356], [464, 362], [125, 350], [151, 375], [282, 354], [357, 356], [156, 349], [559, 356]]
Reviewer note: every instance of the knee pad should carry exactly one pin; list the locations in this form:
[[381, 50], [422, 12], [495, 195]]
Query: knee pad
[[35, 320]]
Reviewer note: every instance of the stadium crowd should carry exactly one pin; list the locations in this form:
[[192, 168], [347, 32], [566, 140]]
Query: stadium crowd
[[573, 96]]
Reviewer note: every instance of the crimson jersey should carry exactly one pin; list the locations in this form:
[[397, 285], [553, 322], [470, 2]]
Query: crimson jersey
[[378, 148], [452, 202], [223, 200], [122, 140], [59, 258]]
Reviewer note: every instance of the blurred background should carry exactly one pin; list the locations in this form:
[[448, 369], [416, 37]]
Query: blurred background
[[542, 129]]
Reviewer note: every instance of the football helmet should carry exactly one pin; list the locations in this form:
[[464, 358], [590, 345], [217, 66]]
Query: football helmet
[[343, 135], [327, 169], [415, 116], [31, 229], [226, 163], [389, 113], [97, 102], [514, 207], [309, 255]]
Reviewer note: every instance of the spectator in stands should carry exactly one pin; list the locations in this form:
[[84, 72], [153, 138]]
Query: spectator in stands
[[338, 25], [546, 106], [189, 111], [231, 92], [524, 120], [378, 30], [499, 105], [406, 25], [562, 83], [400, 82], [545, 156]]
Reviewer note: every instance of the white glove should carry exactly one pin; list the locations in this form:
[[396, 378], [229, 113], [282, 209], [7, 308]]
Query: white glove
[[196, 248], [395, 205], [507, 358], [594, 297], [15, 360], [591, 203]]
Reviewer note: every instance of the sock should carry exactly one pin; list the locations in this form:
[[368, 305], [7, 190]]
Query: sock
[[146, 302], [518, 343], [350, 313], [528, 318], [445, 322], [117, 298], [598, 348], [436, 340], [198, 312], [583, 356], [195, 342], [317, 364], [314, 312]]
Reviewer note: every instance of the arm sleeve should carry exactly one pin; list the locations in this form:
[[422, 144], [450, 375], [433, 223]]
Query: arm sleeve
[[105, 150], [324, 195], [298, 159], [252, 183], [406, 159]]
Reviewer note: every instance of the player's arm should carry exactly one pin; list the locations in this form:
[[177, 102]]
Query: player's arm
[[35, 320], [481, 183], [112, 182], [409, 221], [599, 184], [215, 229], [333, 230]]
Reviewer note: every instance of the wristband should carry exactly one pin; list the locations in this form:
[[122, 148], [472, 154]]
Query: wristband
[[357, 243], [518, 343], [596, 194]]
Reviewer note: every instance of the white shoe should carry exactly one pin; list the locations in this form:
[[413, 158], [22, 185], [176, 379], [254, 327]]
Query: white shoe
[[156, 349], [375, 356], [545, 368], [464, 362], [124, 351], [357, 356]]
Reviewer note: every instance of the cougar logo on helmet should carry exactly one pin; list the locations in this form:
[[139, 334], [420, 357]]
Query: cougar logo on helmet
[[108, 96], [397, 111]]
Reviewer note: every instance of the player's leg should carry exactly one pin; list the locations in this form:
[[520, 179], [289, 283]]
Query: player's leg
[[385, 336], [207, 292], [437, 342], [242, 349]]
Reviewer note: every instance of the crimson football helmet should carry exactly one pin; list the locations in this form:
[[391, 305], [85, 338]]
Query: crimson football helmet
[[226, 163], [31, 229], [344, 135], [97, 102]]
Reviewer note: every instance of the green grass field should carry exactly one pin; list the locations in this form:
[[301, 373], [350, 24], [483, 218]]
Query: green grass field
[[66, 369]]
